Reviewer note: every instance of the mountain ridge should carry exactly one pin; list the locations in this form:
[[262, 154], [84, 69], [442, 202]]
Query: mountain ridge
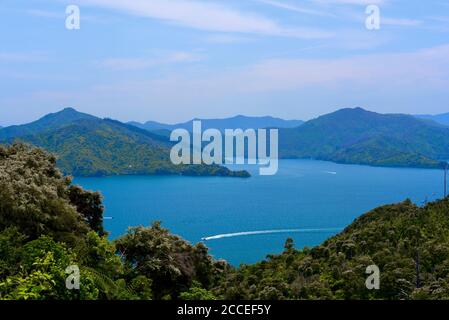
[[358, 136], [235, 122], [348, 135], [442, 118], [49, 121], [89, 146]]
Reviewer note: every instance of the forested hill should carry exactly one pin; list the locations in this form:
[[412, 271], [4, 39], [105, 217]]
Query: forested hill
[[90, 146], [47, 224], [46, 123], [358, 136], [409, 244]]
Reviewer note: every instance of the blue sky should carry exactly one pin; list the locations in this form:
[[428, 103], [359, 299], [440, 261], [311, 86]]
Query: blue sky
[[172, 60]]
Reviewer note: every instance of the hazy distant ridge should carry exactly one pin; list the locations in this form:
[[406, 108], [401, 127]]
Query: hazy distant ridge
[[439, 118], [237, 122]]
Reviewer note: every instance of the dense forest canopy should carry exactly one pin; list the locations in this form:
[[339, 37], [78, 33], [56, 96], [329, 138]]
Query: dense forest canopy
[[48, 224]]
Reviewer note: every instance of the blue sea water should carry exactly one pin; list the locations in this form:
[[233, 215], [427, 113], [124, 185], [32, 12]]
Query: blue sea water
[[307, 200]]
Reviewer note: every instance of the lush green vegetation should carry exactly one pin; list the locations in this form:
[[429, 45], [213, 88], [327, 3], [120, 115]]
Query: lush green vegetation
[[107, 147], [409, 244], [89, 146], [361, 137], [47, 224]]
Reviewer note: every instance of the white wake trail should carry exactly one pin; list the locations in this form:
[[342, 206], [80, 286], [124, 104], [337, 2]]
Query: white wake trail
[[251, 233]]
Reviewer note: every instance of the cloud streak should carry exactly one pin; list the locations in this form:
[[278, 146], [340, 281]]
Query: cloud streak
[[427, 67], [177, 57], [295, 8], [351, 2], [377, 70], [399, 77], [400, 22], [209, 16]]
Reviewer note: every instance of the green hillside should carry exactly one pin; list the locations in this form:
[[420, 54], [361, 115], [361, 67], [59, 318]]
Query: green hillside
[[358, 136], [48, 122], [409, 244], [89, 146], [47, 224]]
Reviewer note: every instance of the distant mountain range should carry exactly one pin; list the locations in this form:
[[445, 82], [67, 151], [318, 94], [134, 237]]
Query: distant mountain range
[[439, 118], [237, 122], [89, 146], [358, 136]]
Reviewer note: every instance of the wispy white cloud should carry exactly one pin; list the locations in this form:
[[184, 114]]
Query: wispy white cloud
[[295, 8], [193, 92], [143, 63], [46, 13], [351, 2], [360, 39], [385, 20], [62, 16], [223, 38], [401, 22], [430, 66], [207, 15]]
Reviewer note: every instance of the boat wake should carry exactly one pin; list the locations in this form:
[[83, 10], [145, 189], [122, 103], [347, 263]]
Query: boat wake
[[252, 233]]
